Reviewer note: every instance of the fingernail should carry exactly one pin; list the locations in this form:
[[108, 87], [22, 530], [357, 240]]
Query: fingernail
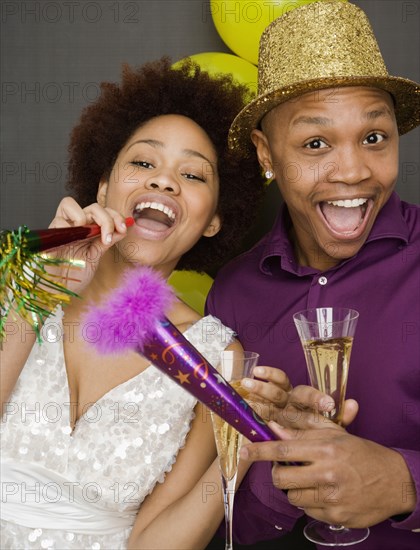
[[326, 404], [259, 371], [274, 424], [123, 225], [108, 238], [247, 383]]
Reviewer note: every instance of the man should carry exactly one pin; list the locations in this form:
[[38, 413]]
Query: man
[[326, 126]]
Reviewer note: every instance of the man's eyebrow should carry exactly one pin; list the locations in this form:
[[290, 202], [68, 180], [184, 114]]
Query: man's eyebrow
[[314, 120], [377, 113]]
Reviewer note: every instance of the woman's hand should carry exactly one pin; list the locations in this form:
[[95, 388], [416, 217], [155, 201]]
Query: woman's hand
[[90, 251]]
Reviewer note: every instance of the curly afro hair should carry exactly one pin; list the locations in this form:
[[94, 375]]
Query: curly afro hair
[[154, 89]]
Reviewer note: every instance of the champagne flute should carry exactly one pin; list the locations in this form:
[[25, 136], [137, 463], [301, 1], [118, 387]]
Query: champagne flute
[[234, 365], [326, 335]]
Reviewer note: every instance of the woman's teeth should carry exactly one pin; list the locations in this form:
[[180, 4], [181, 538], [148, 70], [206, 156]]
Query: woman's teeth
[[155, 206], [348, 203]]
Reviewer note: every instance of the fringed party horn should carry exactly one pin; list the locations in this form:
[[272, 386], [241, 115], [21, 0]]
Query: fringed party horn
[[25, 285], [134, 318]]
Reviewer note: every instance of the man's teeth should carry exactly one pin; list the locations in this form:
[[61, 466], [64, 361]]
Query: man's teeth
[[156, 206], [348, 203]]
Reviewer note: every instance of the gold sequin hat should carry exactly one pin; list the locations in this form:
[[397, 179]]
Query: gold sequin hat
[[316, 46]]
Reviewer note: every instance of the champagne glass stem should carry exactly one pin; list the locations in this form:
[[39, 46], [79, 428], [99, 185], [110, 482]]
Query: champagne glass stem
[[228, 498]]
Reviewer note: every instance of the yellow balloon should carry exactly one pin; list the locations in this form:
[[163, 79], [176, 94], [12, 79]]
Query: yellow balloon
[[240, 24], [192, 288], [214, 63]]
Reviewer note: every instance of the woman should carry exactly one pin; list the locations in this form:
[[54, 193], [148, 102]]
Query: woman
[[82, 471]]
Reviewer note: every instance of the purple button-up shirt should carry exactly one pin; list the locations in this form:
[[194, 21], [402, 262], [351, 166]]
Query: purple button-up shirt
[[257, 294]]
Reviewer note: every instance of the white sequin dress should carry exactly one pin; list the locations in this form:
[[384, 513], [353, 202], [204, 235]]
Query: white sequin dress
[[82, 489]]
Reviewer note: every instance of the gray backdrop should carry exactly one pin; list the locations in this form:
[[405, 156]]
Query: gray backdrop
[[55, 53]]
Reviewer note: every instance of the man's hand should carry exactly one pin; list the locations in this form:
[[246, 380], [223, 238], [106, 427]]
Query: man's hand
[[341, 479], [269, 391], [299, 408], [306, 406]]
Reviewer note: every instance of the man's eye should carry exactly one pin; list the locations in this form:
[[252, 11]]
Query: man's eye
[[316, 144], [374, 138], [142, 163]]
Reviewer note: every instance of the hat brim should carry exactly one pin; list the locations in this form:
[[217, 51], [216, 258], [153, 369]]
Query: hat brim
[[406, 94]]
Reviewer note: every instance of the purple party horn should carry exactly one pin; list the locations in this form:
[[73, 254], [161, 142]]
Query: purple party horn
[[134, 318]]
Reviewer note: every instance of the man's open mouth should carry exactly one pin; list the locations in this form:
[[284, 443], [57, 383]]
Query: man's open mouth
[[344, 216]]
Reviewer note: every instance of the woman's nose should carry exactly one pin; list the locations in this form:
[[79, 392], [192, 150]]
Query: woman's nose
[[163, 183]]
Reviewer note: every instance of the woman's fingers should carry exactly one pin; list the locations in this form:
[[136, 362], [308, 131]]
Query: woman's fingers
[[88, 252], [110, 222], [70, 213]]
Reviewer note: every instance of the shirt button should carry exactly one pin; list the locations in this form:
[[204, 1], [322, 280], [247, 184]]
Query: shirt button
[[322, 281], [278, 528]]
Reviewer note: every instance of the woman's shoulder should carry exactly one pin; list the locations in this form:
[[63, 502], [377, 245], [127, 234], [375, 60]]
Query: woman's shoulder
[[207, 331], [183, 316]]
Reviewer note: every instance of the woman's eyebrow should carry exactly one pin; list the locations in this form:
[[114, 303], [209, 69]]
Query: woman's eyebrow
[[159, 144], [152, 142], [193, 153]]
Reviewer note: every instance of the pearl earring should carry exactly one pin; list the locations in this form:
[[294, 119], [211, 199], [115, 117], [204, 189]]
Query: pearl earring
[[269, 174]]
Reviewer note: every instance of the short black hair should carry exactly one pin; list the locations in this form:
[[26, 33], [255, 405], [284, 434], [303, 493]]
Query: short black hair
[[157, 88]]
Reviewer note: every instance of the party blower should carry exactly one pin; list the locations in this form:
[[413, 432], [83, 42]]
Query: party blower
[[134, 318], [25, 284]]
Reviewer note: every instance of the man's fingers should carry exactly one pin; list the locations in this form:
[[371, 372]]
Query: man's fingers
[[271, 385], [306, 397]]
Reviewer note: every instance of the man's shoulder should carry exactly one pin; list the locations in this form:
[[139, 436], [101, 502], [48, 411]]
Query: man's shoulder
[[246, 262], [411, 214]]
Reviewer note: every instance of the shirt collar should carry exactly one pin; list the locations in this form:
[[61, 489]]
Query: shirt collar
[[389, 224]]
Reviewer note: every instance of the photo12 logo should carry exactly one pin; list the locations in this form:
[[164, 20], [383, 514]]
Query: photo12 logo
[[70, 12]]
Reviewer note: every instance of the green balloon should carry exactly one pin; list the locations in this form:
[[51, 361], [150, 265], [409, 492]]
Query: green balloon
[[192, 288], [215, 63], [240, 24]]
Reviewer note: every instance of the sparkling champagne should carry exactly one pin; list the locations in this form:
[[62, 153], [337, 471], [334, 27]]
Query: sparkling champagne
[[228, 440], [328, 364]]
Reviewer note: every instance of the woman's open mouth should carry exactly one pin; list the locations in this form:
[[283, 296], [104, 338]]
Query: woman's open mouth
[[154, 216]]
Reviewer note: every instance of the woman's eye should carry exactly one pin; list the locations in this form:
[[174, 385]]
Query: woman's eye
[[373, 138], [316, 144], [189, 176], [142, 163]]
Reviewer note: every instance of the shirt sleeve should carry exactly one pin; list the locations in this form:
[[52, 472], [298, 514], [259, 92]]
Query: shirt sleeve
[[261, 511], [412, 521]]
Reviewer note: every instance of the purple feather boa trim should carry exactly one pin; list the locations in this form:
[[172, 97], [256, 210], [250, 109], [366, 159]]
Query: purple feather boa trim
[[129, 318]]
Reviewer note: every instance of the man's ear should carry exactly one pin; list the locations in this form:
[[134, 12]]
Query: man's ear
[[260, 141], [214, 226], [101, 194]]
